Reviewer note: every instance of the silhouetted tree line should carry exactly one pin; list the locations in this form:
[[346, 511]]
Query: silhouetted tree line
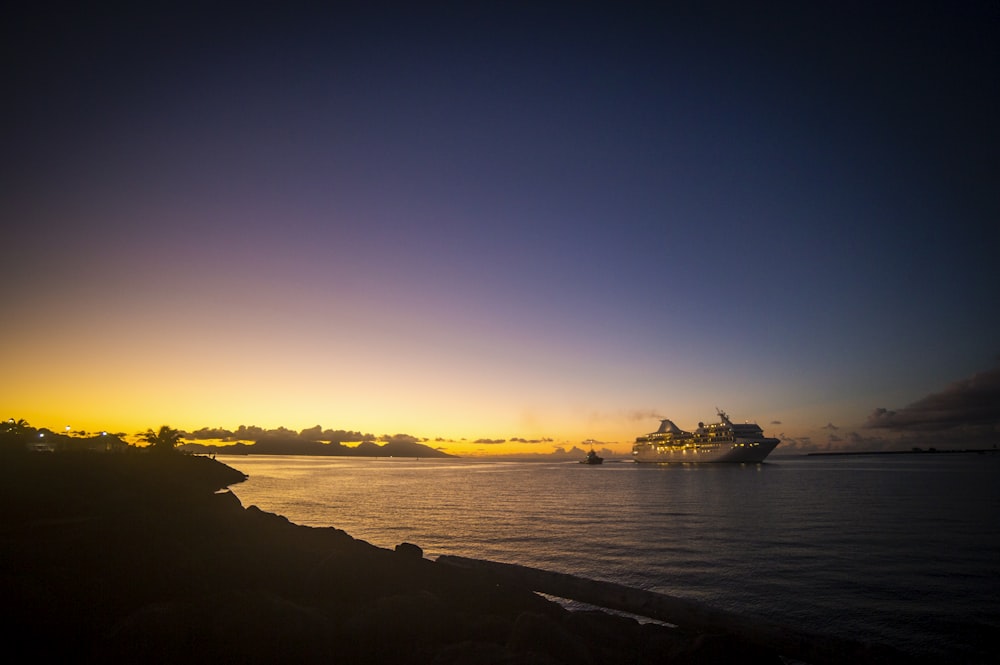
[[277, 444], [17, 436]]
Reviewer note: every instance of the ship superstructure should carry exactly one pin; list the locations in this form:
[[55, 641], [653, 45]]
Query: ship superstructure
[[723, 441]]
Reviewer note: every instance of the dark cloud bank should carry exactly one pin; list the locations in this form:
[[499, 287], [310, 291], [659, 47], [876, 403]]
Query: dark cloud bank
[[965, 415], [973, 402]]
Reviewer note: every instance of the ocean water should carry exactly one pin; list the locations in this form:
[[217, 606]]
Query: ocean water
[[902, 550]]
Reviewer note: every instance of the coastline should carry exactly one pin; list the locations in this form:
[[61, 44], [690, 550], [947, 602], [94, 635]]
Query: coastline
[[144, 557]]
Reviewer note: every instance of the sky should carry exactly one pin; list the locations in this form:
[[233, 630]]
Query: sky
[[506, 227]]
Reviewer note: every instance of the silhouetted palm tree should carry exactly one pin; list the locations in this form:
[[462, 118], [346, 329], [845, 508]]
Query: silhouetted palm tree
[[163, 440], [14, 435], [19, 426]]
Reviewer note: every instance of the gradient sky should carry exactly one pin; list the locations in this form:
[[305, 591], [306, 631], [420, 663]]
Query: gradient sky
[[539, 221]]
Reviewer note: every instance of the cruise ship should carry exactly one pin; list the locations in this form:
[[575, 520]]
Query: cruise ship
[[718, 442]]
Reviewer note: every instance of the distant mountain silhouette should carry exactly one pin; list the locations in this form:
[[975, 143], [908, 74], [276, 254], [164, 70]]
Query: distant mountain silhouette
[[294, 445]]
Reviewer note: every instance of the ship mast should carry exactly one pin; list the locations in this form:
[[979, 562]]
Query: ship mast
[[723, 416]]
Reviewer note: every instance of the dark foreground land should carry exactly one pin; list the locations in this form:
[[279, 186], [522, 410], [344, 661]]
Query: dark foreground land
[[139, 558]]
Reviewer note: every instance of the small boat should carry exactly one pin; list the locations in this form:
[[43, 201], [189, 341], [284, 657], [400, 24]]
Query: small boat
[[592, 457]]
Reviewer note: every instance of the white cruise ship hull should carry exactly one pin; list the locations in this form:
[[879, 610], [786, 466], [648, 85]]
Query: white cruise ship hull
[[729, 451]]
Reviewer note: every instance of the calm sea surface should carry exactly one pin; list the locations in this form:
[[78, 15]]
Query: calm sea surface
[[902, 550]]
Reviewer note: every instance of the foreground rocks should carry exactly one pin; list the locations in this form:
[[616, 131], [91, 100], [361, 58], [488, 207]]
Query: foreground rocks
[[141, 558]]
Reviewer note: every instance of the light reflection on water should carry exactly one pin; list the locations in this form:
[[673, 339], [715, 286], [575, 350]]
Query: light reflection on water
[[897, 550]]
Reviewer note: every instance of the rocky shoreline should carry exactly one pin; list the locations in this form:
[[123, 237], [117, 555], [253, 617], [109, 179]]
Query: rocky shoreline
[[141, 557]]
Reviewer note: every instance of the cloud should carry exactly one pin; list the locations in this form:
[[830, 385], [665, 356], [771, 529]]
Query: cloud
[[795, 444], [575, 452], [858, 441], [970, 402], [209, 433], [643, 414], [561, 452], [399, 438], [837, 443], [312, 433], [345, 436], [775, 422], [965, 412], [518, 439], [490, 441], [254, 433]]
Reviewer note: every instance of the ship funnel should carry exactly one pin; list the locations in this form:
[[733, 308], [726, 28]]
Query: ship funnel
[[668, 426]]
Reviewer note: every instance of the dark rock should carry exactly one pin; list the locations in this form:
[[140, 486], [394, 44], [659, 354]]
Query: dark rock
[[475, 653], [656, 641], [244, 627], [399, 629], [539, 634], [613, 638], [705, 649], [410, 550]]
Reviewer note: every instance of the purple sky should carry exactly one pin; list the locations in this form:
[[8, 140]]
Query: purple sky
[[539, 221]]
